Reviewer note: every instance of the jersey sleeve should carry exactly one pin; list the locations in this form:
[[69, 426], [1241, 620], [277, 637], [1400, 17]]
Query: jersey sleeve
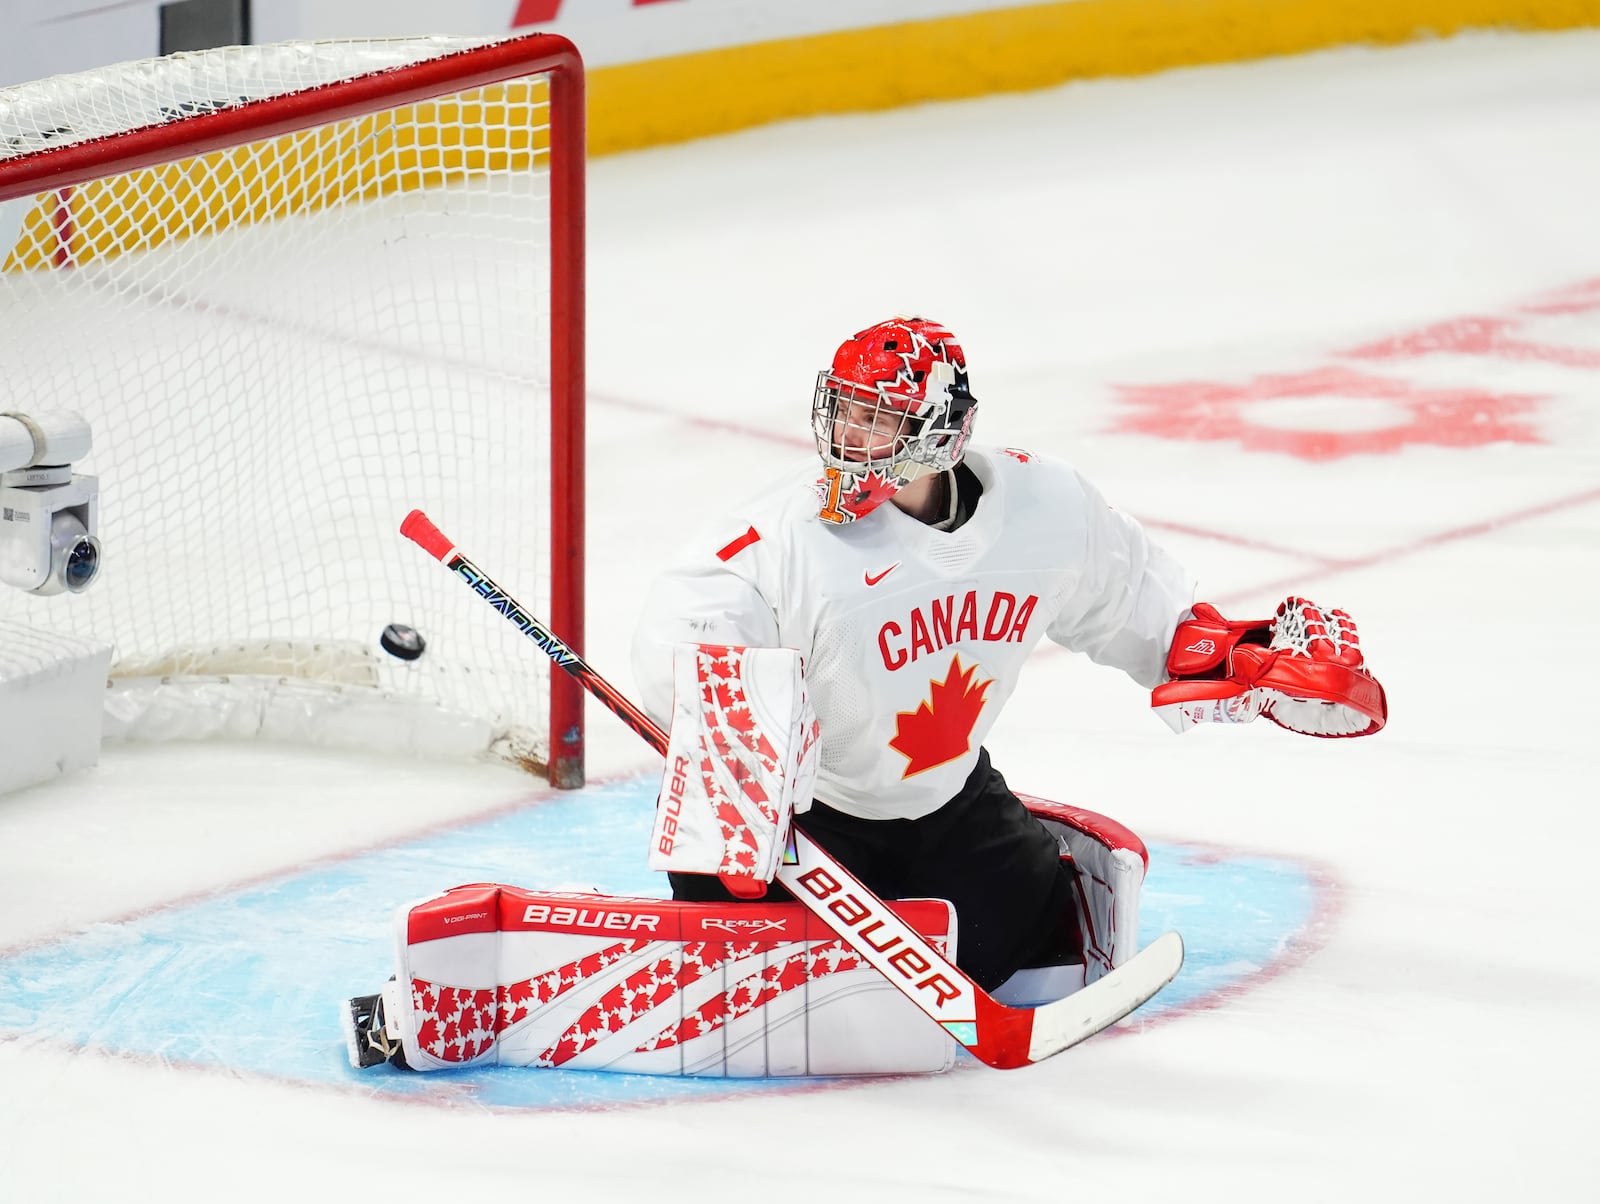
[[1129, 599], [699, 601]]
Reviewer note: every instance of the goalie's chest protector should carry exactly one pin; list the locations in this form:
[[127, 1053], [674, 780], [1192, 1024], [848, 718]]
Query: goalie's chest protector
[[913, 638]]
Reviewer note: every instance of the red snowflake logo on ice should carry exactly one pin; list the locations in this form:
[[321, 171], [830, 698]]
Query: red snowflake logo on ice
[[1270, 414], [1501, 338], [940, 729]]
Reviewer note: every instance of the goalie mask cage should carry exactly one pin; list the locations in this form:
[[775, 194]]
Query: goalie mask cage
[[297, 290]]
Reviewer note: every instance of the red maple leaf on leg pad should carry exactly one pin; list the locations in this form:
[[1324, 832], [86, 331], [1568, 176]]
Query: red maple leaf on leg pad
[[940, 729]]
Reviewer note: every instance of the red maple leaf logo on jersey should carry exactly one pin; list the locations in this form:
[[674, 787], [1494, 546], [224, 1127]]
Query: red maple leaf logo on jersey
[[940, 729]]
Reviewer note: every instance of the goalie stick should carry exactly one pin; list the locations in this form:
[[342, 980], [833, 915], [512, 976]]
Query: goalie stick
[[1003, 1037]]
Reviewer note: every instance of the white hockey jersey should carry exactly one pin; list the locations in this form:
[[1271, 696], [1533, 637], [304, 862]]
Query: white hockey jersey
[[912, 637]]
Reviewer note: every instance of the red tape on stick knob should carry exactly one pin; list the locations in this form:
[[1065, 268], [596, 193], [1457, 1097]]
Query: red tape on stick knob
[[419, 529]]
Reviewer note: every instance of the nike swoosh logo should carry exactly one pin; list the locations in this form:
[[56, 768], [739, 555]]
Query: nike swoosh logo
[[871, 580]]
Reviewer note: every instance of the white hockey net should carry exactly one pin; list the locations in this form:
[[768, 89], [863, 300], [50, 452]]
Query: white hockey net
[[282, 344]]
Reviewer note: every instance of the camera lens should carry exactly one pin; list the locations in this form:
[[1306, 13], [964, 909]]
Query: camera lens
[[83, 562]]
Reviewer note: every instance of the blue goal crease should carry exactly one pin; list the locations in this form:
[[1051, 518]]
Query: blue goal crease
[[254, 980]]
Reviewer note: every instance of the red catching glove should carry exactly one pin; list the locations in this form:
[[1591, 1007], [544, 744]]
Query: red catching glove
[[1302, 670]]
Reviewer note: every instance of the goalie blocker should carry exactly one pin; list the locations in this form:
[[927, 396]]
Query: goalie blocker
[[741, 762], [495, 975]]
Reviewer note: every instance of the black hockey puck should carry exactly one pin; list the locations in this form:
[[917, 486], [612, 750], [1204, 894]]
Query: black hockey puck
[[402, 641]]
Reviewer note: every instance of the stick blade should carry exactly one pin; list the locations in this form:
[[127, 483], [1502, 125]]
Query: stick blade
[[1061, 1025]]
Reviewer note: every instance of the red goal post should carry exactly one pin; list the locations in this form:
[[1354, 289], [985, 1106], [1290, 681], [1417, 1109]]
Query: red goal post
[[297, 290]]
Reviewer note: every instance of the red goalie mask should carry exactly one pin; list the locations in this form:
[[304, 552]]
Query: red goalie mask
[[893, 406]]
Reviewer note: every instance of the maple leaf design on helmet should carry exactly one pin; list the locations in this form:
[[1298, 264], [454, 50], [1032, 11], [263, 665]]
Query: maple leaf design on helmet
[[859, 493], [940, 729]]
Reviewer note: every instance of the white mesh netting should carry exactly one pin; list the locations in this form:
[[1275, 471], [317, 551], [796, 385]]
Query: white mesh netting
[[281, 348]]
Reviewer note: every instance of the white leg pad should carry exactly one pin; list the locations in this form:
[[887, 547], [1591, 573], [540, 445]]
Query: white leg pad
[[509, 977], [1110, 861]]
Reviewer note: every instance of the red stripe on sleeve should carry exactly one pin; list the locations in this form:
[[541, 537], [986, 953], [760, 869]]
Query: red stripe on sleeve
[[744, 541]]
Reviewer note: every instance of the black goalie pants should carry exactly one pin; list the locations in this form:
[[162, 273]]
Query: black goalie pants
[[983, 851]]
